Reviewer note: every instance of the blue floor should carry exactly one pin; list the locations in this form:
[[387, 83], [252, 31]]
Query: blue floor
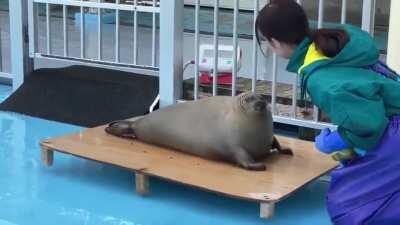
[[78, 191]]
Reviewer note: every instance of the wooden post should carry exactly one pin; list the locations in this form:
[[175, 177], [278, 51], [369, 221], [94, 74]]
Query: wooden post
[[267, 210], [47, 157], [142, 183]]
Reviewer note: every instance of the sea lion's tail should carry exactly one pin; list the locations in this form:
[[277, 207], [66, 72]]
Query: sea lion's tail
[[121, 128]]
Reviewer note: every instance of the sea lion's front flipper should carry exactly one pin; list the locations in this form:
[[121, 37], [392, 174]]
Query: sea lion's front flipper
[[244, 160], [278, 147], [122, 128]]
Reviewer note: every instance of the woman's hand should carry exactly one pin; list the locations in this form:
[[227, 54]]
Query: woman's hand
[[328, 142]]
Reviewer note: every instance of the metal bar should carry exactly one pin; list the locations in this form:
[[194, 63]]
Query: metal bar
[[368, 16], [32, 27], [139, 69], [274, 78], [102, 5], [82, 32], [255, 47], [295, 88], [316, 114], [321, 13], [344, 12], [65, 31], [294, 97], [320, 25], [99, 33], [196, 50], [6, 75], [215, 69], [235, 46], [303, 123], [135, 25], [117, 34], [171, 50], [153, 43], [48, 30]]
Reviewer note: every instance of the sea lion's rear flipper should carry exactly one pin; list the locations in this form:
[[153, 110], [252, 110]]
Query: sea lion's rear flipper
[[122, 128], [278, 147], [243, 159]]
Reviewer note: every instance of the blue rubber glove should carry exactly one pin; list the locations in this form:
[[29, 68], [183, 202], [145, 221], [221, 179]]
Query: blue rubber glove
[[360, 152], [328, 142]]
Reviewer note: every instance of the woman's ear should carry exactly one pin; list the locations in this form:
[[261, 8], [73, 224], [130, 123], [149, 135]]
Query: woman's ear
[[282, 49], [275, 43]]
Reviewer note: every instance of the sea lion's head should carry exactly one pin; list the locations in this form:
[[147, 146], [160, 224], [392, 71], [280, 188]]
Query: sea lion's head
[[253, 103]]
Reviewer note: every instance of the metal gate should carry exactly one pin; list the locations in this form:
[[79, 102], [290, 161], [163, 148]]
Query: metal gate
[[98, 8]]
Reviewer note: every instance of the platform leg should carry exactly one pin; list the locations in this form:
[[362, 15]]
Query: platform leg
[[47, 157], [142, 183], [267, 210]]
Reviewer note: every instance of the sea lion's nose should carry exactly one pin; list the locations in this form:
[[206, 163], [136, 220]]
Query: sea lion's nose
[[263, 98], [260, 105]]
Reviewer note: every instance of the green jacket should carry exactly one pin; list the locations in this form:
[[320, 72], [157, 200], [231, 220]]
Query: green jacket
[[359, 101]]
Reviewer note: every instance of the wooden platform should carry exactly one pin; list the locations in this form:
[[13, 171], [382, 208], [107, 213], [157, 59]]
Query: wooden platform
[[284, 174]]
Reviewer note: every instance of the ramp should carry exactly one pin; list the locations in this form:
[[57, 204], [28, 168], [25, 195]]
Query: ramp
[[83, 95]]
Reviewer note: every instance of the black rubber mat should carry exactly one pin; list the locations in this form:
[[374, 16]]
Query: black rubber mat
[[84, 96]]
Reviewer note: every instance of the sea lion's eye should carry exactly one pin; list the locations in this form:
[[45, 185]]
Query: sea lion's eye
[[260, 105], [250, 98]]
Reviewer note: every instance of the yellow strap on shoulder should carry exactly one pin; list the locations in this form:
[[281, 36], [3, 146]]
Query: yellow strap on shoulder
[[313, 55]]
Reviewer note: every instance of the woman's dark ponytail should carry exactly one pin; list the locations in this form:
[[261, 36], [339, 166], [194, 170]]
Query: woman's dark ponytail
[[330, 41]]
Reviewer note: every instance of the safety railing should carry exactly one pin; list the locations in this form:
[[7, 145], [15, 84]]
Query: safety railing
[[168, 59], [313, 121], [97, 9]]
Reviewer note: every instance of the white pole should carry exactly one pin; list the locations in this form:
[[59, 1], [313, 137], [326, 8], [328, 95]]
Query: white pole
[[21, 64], [171, 49], [368, 16], [393, 56]]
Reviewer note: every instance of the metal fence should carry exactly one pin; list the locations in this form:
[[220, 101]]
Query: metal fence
[[171, 44], [314, 122], [134, 7]]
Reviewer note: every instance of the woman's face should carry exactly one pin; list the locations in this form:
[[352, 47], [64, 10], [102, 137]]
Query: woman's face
[[281, 49]]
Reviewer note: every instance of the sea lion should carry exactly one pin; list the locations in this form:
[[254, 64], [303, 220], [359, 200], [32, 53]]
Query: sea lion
[[234, 129]]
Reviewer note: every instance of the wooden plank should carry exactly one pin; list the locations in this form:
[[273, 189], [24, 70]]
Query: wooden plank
[[284, 175]]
